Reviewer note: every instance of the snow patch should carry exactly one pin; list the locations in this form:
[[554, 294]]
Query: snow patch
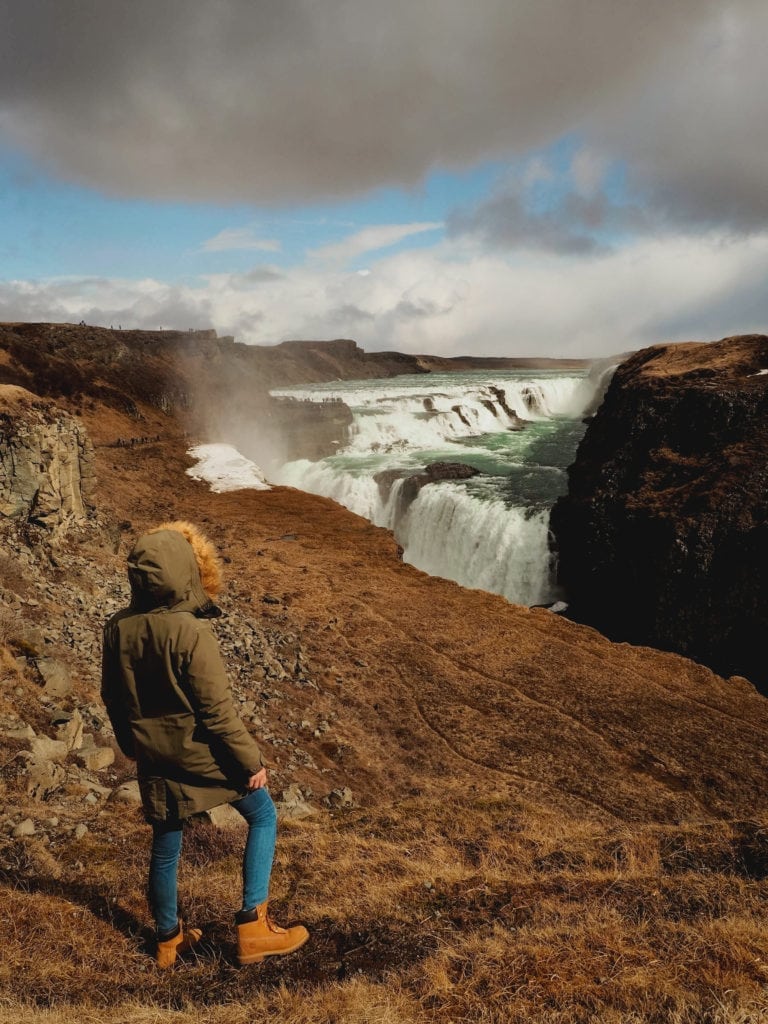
[[225, 469]]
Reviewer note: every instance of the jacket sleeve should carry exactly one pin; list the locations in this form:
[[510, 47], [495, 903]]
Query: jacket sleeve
[[209, 689], [111, 695]]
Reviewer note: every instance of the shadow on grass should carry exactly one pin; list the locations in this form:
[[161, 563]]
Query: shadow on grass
[[210, 974], [90, 897]]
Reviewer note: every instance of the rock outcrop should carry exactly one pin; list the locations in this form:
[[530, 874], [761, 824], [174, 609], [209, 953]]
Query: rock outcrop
[[663, 535], [46, 462], [433, 473]]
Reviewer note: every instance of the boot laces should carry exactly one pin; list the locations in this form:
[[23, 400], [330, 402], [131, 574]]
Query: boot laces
[[274, 927]]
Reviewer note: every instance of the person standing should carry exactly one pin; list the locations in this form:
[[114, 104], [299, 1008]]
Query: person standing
[[168, 698]]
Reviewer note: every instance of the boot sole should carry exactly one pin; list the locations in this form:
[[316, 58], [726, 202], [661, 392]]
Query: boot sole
[[257, 958]]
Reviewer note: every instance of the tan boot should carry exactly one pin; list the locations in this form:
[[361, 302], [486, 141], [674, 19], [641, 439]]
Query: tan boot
[[258, 936], [171, 946]]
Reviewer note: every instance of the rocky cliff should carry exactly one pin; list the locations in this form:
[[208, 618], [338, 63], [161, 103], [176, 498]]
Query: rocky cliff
[[662, 536], [46, 462], [218, 388]]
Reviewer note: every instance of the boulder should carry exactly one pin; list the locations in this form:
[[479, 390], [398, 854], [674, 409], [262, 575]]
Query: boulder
[[94, 758], [43, 748], [291, 804], [69, 728], [341, 798], [15, 729], [225, 817], [57, 681], [449, 471], [413, 482], [127, 793], [95, 791], [43, 777]]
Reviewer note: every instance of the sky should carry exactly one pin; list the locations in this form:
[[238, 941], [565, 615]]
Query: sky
[[500, 177]]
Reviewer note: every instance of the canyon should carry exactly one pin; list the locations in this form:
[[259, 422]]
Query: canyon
[[489, 812]]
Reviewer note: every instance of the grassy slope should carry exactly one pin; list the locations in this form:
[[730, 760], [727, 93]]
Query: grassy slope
[[550, 827]]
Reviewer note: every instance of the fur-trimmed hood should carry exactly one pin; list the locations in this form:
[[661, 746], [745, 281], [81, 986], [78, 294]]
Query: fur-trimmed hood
[[175, 566]]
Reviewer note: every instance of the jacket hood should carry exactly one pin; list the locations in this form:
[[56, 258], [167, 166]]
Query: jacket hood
[[174, 566]]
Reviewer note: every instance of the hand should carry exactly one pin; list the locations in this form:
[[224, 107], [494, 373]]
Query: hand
[[257, 781]]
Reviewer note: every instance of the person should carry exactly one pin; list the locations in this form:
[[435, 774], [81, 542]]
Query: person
[[168, 698]]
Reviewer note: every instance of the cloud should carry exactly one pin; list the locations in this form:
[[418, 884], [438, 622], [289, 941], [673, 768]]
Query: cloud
[[452, 298], [231, 239], [297, 101], [370, 239], [504, 222], [258, 275], [559, 209]]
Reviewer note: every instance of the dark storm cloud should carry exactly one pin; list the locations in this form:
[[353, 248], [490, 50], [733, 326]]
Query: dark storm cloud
[[275, 100], [573, 224], [694, 135]]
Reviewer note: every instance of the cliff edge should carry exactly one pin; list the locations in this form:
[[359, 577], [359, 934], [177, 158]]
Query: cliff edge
[[662, 537]]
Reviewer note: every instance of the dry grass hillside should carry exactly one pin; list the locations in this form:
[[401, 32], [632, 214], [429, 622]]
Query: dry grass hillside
[[514, 820]]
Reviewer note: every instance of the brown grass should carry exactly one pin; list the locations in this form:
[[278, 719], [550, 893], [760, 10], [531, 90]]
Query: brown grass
[[419, 912]]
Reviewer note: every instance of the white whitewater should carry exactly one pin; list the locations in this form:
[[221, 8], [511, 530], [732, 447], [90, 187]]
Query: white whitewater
[[520, 430], [449, 533]]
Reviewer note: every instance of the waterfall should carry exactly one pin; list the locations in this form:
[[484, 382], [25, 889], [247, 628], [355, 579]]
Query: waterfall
[[520, 430], [446, 532]]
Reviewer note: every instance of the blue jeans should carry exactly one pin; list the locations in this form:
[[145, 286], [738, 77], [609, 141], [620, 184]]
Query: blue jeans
[[259, 811]]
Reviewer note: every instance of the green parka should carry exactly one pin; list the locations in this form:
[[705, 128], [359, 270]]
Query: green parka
[[166, 689]]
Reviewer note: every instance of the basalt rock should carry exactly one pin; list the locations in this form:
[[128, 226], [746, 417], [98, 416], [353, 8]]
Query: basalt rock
[[46, 462], [516, 422], [433, 473], [449, 471], [663, 535]]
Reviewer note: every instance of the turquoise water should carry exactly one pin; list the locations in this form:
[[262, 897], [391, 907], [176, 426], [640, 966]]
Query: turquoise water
[[490, 531]]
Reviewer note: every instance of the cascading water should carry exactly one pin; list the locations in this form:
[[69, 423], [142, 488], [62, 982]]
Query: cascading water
[[517, 429]]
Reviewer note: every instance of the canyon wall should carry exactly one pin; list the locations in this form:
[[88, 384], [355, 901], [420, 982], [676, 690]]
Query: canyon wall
[[219, 389], [218, 386], [663, 535], [46, 463]]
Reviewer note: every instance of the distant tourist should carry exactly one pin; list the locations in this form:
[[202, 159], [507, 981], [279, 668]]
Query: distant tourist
[[166, 691]]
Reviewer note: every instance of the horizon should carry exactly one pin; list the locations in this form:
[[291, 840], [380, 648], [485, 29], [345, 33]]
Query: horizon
[[314, 341], [508, 180]]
